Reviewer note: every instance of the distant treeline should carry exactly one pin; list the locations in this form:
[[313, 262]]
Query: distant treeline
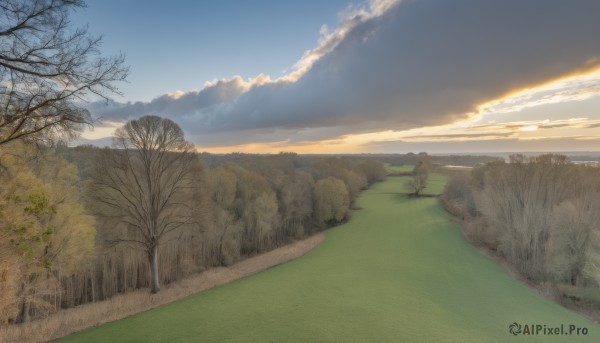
[[70, 250], [412, 158], [540, 213]]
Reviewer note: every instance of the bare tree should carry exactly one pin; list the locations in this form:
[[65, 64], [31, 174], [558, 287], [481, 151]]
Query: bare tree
[[418, 182], [518, 200], [47, 70], [148, 183]]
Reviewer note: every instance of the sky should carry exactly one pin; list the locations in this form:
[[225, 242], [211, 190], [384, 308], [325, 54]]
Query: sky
[[379, 76]]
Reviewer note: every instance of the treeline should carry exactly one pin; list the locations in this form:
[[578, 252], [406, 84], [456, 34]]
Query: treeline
[[264, 201], [541, 214], [392, 159], [62, 245], [441, 160], [463, 160]]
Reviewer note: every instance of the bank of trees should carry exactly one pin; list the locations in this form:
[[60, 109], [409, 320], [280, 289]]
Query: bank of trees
[[142, 214], [81, 225], [542, 214], [260, 202], [46, 70], [44, 230]]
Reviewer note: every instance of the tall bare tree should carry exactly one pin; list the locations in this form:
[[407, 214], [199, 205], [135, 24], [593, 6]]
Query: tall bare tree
[[148, 182], [47, 70]]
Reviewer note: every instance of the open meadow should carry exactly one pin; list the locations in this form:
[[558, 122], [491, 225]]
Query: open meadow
[[398, 271]]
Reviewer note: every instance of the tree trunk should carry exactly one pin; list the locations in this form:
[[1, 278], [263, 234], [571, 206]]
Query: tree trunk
[[154, 285], [221, 257], [23, 313]]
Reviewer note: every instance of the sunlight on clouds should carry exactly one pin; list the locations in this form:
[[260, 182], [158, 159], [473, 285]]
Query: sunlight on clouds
[[575, 87], [106, 129], [588, 138], [176, 95], [342, 100], [464, 131], [334, 146], [572, 88], [486, 124], [529, 128], [348, 19], [473, 131]]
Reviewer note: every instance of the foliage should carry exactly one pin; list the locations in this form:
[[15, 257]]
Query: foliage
[[44, 225], [224, 187], [245, 204], [540, 213], [332, 200], [372, 171]]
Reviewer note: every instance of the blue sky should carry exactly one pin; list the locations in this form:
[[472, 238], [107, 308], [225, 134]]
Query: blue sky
[[358, 76], [179, 45]]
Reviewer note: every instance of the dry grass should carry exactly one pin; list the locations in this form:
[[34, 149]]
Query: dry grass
[[86, 316]]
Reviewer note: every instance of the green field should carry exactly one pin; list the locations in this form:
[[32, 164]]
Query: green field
[[406, 168], [399, 271]]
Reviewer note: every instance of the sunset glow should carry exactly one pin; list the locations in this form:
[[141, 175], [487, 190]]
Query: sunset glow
[[317, 105]]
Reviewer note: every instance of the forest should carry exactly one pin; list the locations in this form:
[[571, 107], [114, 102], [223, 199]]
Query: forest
[[538, 213], [71, 234]]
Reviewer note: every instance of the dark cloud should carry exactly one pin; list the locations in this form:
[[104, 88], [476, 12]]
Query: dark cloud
[[290, 136], [422, 62]]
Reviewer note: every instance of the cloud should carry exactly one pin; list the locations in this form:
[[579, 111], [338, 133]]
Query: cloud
[[393, 65], [551, 144], [178, 105], [459, 136], [579, 88]]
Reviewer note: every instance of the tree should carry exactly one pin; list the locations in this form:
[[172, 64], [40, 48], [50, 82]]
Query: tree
[[571, 231], [418, 182], [251, 187], [44, 228], [10, 265], [332, 200], [354, 182], [223, 186], [266, 218], [517, 201], [372, 170], [296, 203], [223, 190], [148, 183], [340, 168], [46, 69]]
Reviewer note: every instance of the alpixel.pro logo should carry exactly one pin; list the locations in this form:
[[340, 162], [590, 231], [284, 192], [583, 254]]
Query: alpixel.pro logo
[[545, 330]]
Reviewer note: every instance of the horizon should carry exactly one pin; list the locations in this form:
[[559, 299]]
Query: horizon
[[257, 79]]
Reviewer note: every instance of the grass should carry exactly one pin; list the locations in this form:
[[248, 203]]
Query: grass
[[127, 304], [405, 168], [399, 271]]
